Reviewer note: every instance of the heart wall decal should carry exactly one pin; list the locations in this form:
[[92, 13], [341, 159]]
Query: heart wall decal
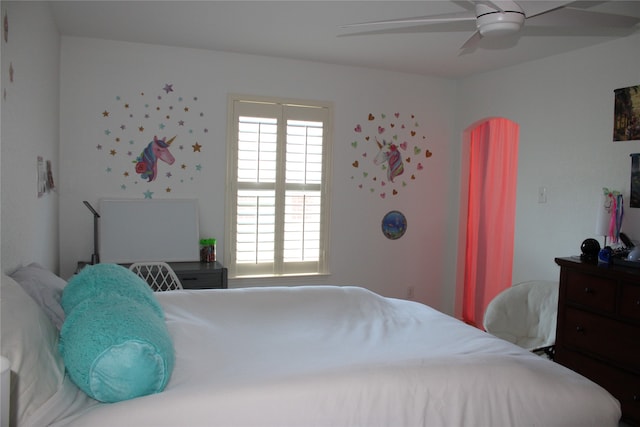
[[384, 145]]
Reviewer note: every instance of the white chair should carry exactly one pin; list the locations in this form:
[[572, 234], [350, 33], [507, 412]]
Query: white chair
[[526, 315], [159, 275]]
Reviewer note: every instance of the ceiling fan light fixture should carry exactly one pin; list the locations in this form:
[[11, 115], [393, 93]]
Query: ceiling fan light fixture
[[496, 23], [500, 28]]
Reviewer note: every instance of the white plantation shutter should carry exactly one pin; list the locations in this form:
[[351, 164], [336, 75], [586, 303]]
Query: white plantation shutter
[[277, 206]]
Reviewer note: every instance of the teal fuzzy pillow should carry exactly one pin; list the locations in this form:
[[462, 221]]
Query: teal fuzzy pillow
[[102, 280], [115, 347]]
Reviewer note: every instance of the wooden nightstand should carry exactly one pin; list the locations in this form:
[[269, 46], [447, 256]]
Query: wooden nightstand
[[598, 332], [200, 275]]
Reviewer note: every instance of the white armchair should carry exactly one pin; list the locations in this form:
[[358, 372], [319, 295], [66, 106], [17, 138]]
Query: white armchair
[[526, 315]]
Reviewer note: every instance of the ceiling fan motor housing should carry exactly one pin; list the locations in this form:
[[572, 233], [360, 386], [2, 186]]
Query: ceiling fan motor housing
[[492, 22]]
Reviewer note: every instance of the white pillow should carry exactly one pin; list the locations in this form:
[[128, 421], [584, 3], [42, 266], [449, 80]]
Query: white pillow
[[44, 287], [30, 341]]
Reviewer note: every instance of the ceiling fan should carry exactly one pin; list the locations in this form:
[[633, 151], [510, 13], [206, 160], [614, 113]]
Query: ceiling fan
[[500, 18]]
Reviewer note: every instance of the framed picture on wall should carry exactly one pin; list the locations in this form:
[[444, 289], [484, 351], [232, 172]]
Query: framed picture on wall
[[42, 177], [626, 121], [635, 181]]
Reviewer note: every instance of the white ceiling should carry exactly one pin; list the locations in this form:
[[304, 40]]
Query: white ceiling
[[310, 30]]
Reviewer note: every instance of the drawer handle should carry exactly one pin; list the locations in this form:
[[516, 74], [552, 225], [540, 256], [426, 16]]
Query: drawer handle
[[636, 398], [188, 278], [580, 329], [588, 290]]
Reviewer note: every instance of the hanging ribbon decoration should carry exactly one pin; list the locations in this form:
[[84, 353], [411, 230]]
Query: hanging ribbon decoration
[[619, 215], [616, 210], [612, 218]]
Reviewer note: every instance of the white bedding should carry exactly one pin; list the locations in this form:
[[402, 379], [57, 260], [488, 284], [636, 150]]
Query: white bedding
[[340, 356]]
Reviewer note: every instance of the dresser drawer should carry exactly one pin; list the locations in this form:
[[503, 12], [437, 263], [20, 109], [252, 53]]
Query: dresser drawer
[[630, 302], [623, 385], [591, 291], [610, 339], [193, 280], [199, 275]]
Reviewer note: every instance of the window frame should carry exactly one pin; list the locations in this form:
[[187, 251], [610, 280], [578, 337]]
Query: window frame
[[237, 106]]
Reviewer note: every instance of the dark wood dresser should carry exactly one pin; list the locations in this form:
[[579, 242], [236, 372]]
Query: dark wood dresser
[[200, 275], [598, 332]]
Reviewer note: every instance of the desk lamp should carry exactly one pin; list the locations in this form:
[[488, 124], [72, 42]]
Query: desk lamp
[[95, 258]]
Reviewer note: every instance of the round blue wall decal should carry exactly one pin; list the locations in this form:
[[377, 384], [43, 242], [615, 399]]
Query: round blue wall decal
[[394, 225]]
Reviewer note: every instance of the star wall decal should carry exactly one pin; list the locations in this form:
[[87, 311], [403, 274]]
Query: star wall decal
[[137, 121]]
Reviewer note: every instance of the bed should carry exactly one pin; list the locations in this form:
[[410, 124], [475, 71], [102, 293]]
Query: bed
[[303, 356]]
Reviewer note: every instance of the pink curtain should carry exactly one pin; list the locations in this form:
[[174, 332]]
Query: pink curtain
[[493, 155]]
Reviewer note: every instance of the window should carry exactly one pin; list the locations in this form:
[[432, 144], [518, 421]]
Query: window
[[279, 156]]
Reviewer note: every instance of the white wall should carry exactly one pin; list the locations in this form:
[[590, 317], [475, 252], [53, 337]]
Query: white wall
[[564, 105], [95, 72], [29, 129]]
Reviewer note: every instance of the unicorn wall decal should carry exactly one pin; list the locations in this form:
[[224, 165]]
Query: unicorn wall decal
[[389, 153], [147, 161]]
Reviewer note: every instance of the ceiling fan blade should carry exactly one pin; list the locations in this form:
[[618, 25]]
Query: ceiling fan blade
[[571, 17], [447, 17], [472, 41], [574, 31], [535, 8], [496, 5], [439, 27]]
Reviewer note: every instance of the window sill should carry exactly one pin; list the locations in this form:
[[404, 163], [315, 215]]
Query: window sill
[[282, 280]]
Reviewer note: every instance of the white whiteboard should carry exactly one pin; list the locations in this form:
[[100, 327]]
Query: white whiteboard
[[133, 230]]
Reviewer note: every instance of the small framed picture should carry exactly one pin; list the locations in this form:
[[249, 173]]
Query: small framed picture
[[626, 122], [42, 177], [635, 181]]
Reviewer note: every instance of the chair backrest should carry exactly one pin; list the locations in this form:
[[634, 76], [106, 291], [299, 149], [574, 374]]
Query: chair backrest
[[525, 314], [159, 275]]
